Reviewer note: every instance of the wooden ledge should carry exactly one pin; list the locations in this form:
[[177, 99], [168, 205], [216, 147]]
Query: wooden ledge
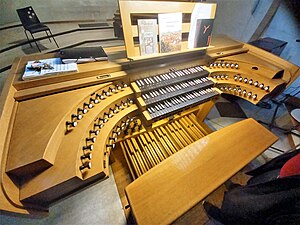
[[170, 189]]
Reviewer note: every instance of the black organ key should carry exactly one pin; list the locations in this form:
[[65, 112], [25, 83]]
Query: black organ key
[[176, 89], [166, 93], [170, 106], [138, 83], [171, 77]]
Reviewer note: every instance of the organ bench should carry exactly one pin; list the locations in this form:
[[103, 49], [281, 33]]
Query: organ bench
[[58, 131]]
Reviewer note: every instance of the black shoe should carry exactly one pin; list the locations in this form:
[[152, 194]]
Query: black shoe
[[230, 185], [213, 213]]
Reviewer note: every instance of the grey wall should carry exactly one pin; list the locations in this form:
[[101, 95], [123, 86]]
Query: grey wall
[[234, 17], [60, 10], [285, 26], [239, 18]]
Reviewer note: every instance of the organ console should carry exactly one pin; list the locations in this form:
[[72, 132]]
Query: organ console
[[168, 93], [159, 113], [59, 131]]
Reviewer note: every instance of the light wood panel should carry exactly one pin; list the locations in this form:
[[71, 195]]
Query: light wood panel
[[272, 83], [68, 83], [291, 71], [144, 150], [253, 68], [127, 8], [48, 89], [100, 150], [33, 117], [9, 190], [181, 181], [44, 187], [246, 62]]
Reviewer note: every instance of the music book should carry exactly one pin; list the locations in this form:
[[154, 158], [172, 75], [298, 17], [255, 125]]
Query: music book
[[201, 26], [148, 36], [203, 32], [170, 32], [45, 67], [83, 54]]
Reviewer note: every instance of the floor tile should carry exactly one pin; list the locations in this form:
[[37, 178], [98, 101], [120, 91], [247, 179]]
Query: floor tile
[[96, 205]]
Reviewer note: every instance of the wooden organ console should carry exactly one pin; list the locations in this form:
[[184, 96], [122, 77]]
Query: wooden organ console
[[59, 131]]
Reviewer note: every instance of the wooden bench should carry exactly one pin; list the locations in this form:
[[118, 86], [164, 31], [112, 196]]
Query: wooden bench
[[170, 189]]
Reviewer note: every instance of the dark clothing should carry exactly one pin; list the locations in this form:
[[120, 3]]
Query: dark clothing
[[266, 199], [272, 202], [275, 163]]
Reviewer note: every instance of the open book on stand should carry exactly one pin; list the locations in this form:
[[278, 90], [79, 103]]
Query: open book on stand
[[46, 67], [82, 54]]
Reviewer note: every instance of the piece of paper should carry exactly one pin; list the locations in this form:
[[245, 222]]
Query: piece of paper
[[47, 67], [201, 16], [170, 32], [203, 32], [148, 36]]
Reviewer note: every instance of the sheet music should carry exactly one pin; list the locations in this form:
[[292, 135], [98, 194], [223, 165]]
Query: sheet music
[[170, 31], [40, 68]]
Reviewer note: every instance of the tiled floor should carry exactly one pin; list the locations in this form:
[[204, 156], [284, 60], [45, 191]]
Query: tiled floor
[[97, 205], [282, 120], [100, 204]]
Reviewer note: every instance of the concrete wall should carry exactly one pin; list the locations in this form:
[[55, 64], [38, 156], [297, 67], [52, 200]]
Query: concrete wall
[[236, 18], [59, 10], [239, 18], [285, 26]]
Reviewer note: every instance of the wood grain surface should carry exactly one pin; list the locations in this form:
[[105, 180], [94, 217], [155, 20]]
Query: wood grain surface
[[170, 189]]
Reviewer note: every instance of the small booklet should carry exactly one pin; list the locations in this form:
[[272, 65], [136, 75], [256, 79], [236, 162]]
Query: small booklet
[[82, 54], [170, 32], [45, 67], [148, 36], [201, 26], [203, 32]]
